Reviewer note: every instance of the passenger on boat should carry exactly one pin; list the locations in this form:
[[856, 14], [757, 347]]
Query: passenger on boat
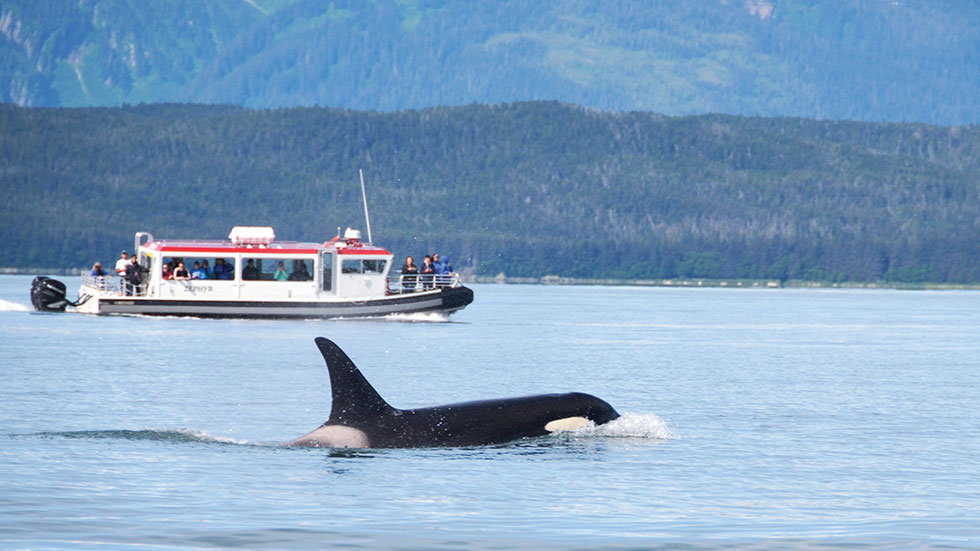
[[281, 274], [99, 274], [121, 263], [223, 269], [196, 272], [250, 271], [205, 269], [428, 272], [301, 274], [442, 269], [134, 276], [167, 274], [410, 274], [442, 265], [181, 272]]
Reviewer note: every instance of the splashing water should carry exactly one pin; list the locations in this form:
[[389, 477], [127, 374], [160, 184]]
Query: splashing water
[[8, 306], [420, 317], [638, 425], [629, 425]]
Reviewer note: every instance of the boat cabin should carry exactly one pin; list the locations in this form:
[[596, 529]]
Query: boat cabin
[[253, 265]]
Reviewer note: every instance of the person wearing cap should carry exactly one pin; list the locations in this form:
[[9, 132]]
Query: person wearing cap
[[121, 263]]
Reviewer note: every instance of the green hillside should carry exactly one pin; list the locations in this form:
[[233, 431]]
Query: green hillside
[[529, 189], [873, 61]]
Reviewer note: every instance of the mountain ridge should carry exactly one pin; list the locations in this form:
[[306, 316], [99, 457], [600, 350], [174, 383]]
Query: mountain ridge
[[871, 61]]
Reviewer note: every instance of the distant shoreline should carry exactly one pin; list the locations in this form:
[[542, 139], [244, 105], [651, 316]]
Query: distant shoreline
[[725, 283], [738, 283]]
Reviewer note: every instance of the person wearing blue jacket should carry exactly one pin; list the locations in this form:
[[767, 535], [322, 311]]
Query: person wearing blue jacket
[[223, 269], [443, 269], [442, 266]]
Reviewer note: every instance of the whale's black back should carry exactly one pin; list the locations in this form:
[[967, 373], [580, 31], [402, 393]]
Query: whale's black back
[[356, 404]]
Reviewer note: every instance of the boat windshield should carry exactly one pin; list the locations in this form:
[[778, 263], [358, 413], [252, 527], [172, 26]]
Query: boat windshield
[[363, 266]]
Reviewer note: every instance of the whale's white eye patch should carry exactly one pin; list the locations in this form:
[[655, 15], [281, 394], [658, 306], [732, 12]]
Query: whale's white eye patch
[[566, 424]]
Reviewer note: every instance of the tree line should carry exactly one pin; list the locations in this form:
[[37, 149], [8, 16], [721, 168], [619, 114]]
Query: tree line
[[526, 189]]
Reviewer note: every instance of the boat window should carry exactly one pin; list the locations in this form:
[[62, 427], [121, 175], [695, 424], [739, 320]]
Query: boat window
[[327, 261], [374, 266], [277, 269], [365, 266], [351, 266], [204, 267]]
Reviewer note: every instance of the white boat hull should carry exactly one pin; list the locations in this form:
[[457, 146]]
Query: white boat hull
[[254, 276], [438, 300]]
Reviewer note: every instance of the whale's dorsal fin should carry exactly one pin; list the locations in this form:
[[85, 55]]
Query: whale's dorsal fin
[[353, 397]]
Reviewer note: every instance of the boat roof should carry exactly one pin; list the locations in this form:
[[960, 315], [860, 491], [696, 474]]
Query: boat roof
[[226, 247]]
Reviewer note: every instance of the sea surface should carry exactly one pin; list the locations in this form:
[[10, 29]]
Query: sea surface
[[752, 419]]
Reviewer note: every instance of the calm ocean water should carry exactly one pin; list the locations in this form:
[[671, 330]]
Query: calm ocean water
[[754, 419]]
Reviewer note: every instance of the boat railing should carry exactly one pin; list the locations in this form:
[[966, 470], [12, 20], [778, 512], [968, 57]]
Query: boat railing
[[113, 285], [399, 283]]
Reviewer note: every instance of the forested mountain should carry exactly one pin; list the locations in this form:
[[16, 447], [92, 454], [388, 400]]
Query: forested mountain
[[872, 60], [528, 189]]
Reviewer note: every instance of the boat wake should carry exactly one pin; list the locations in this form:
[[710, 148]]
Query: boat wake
[[178, 436], [7, 306], [420, 317]]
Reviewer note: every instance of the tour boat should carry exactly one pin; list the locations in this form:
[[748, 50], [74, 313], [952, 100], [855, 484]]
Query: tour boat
[[252, 275]]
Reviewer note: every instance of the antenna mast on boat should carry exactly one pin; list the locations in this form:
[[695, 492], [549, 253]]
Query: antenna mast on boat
[[367, 217]]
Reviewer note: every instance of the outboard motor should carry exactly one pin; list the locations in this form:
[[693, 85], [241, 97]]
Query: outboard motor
[[48, 295]]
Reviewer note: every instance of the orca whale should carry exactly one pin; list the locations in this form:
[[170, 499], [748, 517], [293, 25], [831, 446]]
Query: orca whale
[[360, 417]]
